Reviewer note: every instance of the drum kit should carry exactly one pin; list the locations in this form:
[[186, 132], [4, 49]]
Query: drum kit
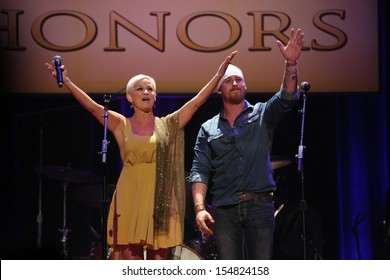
[[200, 248], [67, 175]]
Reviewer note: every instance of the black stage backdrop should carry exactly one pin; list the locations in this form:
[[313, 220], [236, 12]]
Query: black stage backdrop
[[60, 132]]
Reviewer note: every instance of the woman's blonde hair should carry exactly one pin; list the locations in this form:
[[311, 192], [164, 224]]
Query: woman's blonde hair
[[133, 80]]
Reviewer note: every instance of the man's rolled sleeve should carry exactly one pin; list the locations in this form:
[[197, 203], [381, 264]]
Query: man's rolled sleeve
[[290, 96]]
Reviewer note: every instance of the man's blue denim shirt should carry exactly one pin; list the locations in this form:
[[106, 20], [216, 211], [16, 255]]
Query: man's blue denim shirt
[[237, 159]]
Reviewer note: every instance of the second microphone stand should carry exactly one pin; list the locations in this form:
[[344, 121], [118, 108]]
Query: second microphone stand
[[104, 203], [305, 86]]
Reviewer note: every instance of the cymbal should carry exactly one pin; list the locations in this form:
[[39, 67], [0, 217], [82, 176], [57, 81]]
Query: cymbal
[[91, 195], [67, 174], [279, 161]]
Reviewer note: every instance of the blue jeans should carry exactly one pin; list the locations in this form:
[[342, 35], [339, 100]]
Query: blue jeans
[[245, 230]]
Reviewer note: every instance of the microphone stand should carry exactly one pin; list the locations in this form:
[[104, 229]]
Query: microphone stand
[[104, 203], [39, 215], [305, 86], [64, 230], [358, 220]]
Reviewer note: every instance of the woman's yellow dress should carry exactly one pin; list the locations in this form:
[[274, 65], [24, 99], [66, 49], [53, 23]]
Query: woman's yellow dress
[[130, 219]]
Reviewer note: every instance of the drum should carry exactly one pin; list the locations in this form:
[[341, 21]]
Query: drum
[[183, 252], [205, 247]]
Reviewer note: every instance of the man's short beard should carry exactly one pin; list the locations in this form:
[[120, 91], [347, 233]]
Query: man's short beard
[[235, 99]]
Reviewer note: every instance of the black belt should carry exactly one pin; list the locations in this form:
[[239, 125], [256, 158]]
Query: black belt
[[246, 196]]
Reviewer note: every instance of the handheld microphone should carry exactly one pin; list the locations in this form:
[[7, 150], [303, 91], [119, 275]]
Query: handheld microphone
[[305, 86], [57, 63]]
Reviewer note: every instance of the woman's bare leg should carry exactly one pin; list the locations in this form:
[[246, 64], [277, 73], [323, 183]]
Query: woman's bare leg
[[127, 252], [160, 254]]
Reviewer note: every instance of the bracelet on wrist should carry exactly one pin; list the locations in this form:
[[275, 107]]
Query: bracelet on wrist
[[291, 63], [198, 210], [199, 207]]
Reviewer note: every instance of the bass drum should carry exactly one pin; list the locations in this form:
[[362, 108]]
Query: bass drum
[[183, 252]]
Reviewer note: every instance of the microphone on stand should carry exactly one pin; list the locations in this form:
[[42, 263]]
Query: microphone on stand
[[305, 86], [57, 63]]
